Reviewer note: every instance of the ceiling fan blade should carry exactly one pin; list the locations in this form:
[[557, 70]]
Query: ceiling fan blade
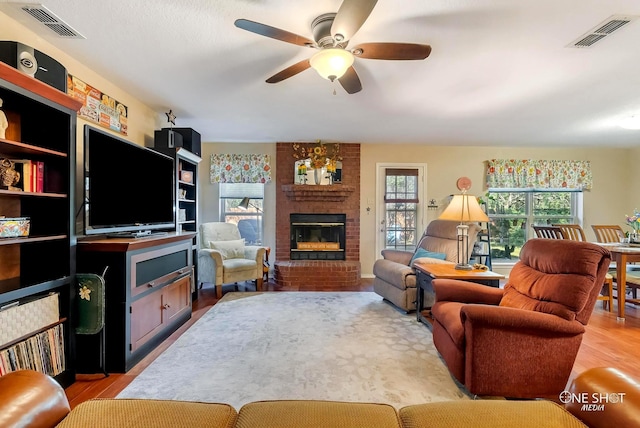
[[274, 33], [350, 81], [395, 51], [350, 17], [289, 71]]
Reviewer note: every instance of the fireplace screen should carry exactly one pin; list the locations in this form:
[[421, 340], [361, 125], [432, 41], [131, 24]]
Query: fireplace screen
[[318, 236]]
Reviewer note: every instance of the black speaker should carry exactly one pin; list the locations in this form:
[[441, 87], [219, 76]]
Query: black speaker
[[166, 138], [34, 63], [190, 139]]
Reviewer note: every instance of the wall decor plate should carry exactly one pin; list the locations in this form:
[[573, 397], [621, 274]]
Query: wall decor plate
[[186, 176]]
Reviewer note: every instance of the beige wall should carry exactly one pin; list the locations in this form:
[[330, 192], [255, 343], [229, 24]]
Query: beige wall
[[607, 203]]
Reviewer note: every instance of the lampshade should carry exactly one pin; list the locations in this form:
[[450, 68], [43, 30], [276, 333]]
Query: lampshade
[[244, 204], [331, 63], [464, 208]]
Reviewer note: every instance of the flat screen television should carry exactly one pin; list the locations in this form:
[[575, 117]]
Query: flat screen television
[[129, 189]]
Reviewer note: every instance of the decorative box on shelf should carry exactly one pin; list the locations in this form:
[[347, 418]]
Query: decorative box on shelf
[[21, 320], [14, 227]]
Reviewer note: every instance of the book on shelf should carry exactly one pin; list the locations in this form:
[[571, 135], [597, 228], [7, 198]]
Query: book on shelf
[[42, 352], [31, 175], [39, 179], [24, 168]]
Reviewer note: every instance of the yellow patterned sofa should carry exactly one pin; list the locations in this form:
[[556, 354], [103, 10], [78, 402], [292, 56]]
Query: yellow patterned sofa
[[31, 399]]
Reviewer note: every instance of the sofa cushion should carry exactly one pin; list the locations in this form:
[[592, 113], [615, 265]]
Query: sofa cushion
[[316, 413], [535, 284], [422, 253], [488, 414], [440, 236], [128, 413], [229, 249]]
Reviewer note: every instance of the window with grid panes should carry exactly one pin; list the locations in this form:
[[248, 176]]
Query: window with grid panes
[[401, 207], [513, 212], [249, 221]]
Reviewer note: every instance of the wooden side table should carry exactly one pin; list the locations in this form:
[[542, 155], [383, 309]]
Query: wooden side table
[[426, 273]]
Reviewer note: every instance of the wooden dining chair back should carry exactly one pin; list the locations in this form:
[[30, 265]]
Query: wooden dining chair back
[[608, 233], [549, 232], [572, 231]]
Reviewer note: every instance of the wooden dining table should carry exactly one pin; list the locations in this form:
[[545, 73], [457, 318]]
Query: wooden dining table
[[622, 254]]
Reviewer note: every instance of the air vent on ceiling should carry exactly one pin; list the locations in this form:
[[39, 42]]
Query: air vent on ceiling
[[51, 21], [602, 30]]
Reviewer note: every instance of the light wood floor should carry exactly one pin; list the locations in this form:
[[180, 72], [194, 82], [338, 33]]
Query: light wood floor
[[606, 343]]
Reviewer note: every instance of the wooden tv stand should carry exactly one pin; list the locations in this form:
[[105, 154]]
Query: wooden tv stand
[[147, 297]]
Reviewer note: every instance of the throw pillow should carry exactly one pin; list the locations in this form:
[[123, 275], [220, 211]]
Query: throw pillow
[[229, 249], [421, 252]]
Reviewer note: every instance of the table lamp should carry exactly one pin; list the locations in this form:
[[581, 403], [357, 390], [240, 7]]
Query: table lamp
[[463, 208]]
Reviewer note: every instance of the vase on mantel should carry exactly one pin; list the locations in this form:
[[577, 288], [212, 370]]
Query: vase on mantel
[[317, 175]]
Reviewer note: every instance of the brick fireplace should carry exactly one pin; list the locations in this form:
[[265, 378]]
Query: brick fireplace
[[342, 198]]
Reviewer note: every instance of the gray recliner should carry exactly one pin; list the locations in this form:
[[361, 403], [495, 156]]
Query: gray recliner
[[395, 280]]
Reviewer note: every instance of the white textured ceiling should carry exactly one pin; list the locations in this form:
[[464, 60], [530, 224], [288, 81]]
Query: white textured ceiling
[[500, 72]]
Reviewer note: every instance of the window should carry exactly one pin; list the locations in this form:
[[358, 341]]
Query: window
[[401, 205], [249, 221], [513, 212]]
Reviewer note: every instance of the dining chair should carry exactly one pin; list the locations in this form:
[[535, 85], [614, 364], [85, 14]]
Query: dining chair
[[614, 233], [549, 232], [574, 232], [608, 233]]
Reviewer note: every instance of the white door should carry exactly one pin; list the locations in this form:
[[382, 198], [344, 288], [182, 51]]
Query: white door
[[400, 202]]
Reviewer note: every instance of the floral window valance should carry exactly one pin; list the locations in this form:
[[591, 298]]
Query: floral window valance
[[539, 174], [230, 168]]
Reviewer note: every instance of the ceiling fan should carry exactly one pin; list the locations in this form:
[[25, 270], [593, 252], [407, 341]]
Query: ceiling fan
[[331, 34]]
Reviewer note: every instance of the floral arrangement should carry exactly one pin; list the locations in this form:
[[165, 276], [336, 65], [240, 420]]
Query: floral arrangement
[[634, 221], [318, 154]]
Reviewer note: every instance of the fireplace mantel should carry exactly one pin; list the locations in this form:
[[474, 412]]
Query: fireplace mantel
[[311, 192]]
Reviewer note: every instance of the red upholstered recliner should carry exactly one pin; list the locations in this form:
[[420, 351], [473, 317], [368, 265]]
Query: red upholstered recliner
[[522, 341]]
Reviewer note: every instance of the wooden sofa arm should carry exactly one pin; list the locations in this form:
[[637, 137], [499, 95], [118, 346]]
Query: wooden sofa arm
[[31, 399]]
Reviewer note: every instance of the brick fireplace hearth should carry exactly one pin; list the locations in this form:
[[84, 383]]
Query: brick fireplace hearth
[[343, 198]]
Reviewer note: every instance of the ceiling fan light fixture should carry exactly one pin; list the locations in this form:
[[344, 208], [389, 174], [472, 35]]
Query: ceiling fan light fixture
[[332, 63]]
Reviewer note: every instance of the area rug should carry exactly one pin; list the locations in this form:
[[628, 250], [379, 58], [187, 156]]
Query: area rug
[[345, 346]]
